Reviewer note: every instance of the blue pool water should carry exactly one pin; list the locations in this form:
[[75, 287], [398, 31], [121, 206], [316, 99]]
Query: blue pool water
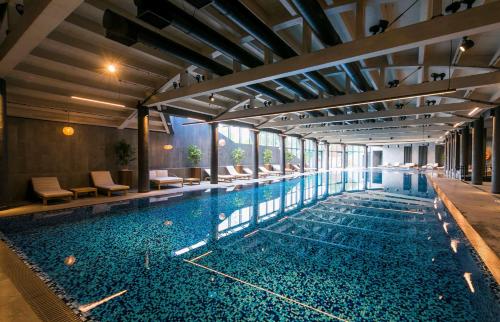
[[337, 246]]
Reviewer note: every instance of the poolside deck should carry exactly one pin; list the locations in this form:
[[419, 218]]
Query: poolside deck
[[477, 212]]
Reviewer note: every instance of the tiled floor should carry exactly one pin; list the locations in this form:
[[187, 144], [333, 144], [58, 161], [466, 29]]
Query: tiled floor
[[13, 307]]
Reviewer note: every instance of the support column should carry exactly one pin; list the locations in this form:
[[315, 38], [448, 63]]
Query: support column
[[456, 166], [302, 155], [316, 161], [452, 155], [327, 156], [495, 151], [446, 154], [282, 158], [214, 153], [477, 151], [464, 153], [143, 148], [344, 156], [4, 198], [366, 157], [255, 154]]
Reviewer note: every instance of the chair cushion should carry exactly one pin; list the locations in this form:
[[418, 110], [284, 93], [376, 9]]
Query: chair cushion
[[161, 173], [113, 187], [55, 193], [101, 178]]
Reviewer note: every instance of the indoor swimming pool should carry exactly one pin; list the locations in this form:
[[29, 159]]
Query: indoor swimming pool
[[348, 246]]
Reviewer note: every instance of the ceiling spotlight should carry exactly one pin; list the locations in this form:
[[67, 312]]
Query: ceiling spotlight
[[453, 7], [380, 27], [111, 68], [435, 76], [211, 98], [393, 83], [175, 85], [466, 44], [469, 3]]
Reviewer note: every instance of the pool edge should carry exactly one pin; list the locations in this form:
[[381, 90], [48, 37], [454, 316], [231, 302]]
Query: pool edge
[[42, 300], [488, 256]]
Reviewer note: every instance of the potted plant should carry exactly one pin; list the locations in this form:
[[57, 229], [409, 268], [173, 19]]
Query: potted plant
[[194, 156], [238, 155], [268, 157], [288, 159], [125, 154]]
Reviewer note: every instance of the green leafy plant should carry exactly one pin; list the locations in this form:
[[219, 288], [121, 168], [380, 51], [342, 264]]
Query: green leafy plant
[[238, 155], [194, 155], [124, 152], [289, 156], [267, 156]]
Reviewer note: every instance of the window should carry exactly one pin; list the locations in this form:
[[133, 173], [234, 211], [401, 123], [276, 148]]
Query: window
[[407, 154], [310, 153], [292, 145], [355, 156], [335, 156], [238, 135], [321, 155], [269, 139], [292, 198]]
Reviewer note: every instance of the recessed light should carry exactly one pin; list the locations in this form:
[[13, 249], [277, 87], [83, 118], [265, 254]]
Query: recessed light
[[96, 101]]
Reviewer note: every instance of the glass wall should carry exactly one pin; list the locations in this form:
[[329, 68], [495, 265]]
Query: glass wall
[[322, 155], [355, 156], [238, 135], [292, 145], [269, 139], [335, 157], [309, 153]]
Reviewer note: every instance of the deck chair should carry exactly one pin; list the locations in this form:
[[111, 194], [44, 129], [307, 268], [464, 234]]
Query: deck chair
[[232, 171], [269, 172], [49, 188], [250, 172], [102, 181], [221, 177], [162, 177]]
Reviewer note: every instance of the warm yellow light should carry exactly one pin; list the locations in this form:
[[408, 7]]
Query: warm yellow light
[[168, 147], [70, 260], [222, 142], [96, 101], [473, 111], [468, 279], [68, 131], [111, 68]]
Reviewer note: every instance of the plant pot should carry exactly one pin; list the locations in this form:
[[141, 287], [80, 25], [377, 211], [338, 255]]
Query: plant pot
[[268, 166], [125, 177], [195, 173], [239, 168]]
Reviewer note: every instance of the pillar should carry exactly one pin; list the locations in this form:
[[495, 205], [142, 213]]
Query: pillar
[[316, 161], [302, 155], [495, 151], [464, 153], [3, 146], [214, 153], [282, 158], [344, 156], [452, 154], [366, 157], [143, 148], [327, 156], [446, 154], [477, 151], [456, 166], [255, 154]]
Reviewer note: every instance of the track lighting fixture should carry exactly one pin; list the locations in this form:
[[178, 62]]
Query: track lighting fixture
[[453, 7], [399, 105], [468, 3], [380, 27], [211, 98], [199, 78], [246, 106], [435, 76], [466, 44], [393, 83], [402, 118], [430, 102]]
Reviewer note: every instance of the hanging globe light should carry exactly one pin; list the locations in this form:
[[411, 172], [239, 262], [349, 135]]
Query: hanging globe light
[[222, 142], [167, 147]]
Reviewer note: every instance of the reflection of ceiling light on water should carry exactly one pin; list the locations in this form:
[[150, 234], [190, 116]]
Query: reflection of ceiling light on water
[[70, 260], [168, 223], [445, 226], [468, 278], [454, 245], [439, 216], [222, 216]]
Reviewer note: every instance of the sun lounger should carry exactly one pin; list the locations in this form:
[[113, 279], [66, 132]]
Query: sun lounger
[[49, 188], [250, 172], [232, 171], [221, 177], [269, 172], [102, 181], [161, 177], [277, 167]]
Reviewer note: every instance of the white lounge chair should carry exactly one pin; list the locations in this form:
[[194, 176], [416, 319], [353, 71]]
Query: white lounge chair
[[277, 167], [102, 181], [269, 172], [162, 177], [232, 171], [221, 177], [49, 188], [250, 172]]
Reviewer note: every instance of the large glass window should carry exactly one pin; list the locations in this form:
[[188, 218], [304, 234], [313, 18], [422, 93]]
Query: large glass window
[[355, 156], [335, 157], [239, 135], [269, 139], [310, 153], [292, 145], [321, 155]]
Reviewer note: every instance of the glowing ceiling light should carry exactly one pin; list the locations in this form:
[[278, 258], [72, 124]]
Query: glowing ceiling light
[[96, 101], [473, 111], [468, 278], [68, 131], [168, 147], [111, 68]]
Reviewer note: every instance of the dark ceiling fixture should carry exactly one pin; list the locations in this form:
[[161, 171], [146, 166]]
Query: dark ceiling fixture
[[380, 27], [468, 3], [466, 44], [430, 102], [399, 105], [393, 83], [453, 7], [435, 76], [211, 98]]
